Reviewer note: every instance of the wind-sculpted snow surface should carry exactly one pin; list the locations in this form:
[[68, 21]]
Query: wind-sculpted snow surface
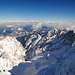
[[11, 53], [50, 52]]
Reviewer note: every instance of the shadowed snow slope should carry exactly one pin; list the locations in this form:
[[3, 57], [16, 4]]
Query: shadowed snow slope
[[66, 65]]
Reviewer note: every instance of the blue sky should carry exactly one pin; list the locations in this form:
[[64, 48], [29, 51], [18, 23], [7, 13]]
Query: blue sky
[[38, 10]]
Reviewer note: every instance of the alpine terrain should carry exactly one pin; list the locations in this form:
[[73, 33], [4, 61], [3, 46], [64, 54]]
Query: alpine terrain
[[30, 50]]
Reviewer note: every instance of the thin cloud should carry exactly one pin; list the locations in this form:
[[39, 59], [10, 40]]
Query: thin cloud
[[37, 25]]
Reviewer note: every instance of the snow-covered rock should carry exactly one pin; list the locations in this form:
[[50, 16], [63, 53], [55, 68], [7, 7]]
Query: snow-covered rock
[[11, 53]]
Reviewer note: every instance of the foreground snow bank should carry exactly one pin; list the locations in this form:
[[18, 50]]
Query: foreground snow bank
[[11, 53], [5, 73]]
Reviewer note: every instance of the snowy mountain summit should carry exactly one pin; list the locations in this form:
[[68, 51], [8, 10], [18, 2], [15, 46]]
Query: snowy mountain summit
[[44, 52]]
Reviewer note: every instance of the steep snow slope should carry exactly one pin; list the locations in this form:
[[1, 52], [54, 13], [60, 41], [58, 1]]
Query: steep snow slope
[[11, 53], [53, 53], [66, 65]]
